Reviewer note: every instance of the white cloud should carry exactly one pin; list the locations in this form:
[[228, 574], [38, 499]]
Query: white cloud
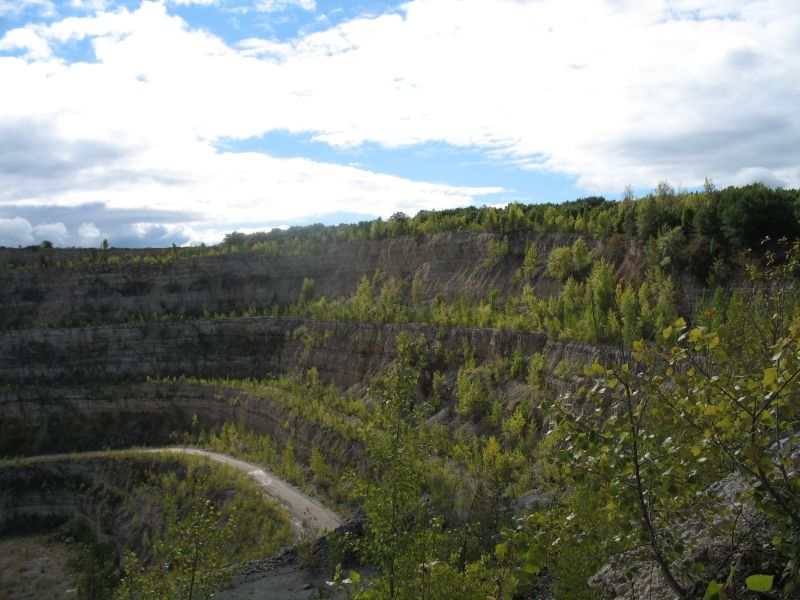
[[609, 92], [36, 47], [279, 5], [153, 107], [610, 96], [762, 175], [15, 232], [16, 7], [88, 231], [189, 2], [89, 5], [54, 232]]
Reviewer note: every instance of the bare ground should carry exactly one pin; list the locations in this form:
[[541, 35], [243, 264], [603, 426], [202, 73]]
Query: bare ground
[[33, 567]]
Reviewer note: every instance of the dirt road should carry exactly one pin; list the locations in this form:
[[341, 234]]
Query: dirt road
[[305, 512]]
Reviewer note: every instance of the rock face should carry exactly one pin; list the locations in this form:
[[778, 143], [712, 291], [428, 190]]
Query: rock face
[[38, 420], [85, 388], [88, 340], [710, 545], [52, 287], [93, 493], [66, 388], [344, 353]]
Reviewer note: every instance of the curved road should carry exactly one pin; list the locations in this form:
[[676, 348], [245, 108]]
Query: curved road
[[304, 511]]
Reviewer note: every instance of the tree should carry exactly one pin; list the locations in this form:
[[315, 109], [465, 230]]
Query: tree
[[677, 420], [559, 262], [629, 312], [306, 291], [473, 391], [189, 561], [319, 467], [581, 256], [530, 263], [392, 505]]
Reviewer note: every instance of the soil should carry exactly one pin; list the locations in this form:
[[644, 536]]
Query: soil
[[33, 567]]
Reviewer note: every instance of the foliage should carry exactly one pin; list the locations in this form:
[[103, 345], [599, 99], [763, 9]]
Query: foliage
[[559, 262], [530, 264], [676, 420], [496, 252], [717, 224], [474, 386], [733, 218], [206, 536], [192, 552]]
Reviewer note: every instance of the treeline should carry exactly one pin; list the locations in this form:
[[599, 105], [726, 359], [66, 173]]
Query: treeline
[[707, 226]]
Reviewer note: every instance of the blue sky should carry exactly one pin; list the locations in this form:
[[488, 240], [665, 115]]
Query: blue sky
[[151, 122]]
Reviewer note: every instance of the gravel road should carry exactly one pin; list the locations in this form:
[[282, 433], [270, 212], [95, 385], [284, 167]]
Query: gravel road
[[304, 511]]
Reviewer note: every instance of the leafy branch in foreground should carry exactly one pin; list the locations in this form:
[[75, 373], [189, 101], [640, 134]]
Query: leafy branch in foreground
[[671, 425]]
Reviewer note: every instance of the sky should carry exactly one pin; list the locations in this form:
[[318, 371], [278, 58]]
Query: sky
[[151, 123]]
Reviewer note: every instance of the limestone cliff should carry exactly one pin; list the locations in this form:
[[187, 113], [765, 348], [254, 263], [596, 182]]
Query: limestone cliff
[[54, 286]]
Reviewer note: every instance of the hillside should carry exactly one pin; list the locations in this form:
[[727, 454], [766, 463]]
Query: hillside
[[429, 372]]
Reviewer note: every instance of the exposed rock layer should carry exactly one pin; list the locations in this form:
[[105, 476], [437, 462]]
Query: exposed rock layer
[[38, 292], [37, 420], [96, 493]]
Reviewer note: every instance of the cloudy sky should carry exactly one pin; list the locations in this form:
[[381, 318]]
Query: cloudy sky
[[176, 121]]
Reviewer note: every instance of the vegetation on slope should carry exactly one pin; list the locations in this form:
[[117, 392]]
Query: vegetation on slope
[[616, 471], [191, 524]]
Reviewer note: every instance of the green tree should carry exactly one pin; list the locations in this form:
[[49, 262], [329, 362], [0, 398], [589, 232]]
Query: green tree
[[629, 312], [307, 291], [559, 262], [530, 264], [189, 561], [473, 391], [319, 467], [392, 503], [678, 420], [581, 256]]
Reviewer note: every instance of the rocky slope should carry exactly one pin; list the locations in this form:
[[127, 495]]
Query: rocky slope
[[84, 388], [55, 286], [118, 379], [92, 493]]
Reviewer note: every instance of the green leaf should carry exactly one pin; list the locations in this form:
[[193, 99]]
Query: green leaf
[[355, 577], [759, 583], [531, 568], [713, 589], [695, 335], [500, 550], [770, 376], [667, 332]]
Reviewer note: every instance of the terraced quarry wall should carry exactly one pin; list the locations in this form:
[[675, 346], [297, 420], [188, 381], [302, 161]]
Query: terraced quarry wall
[[84, 388], [344, 353], [35, 291]]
